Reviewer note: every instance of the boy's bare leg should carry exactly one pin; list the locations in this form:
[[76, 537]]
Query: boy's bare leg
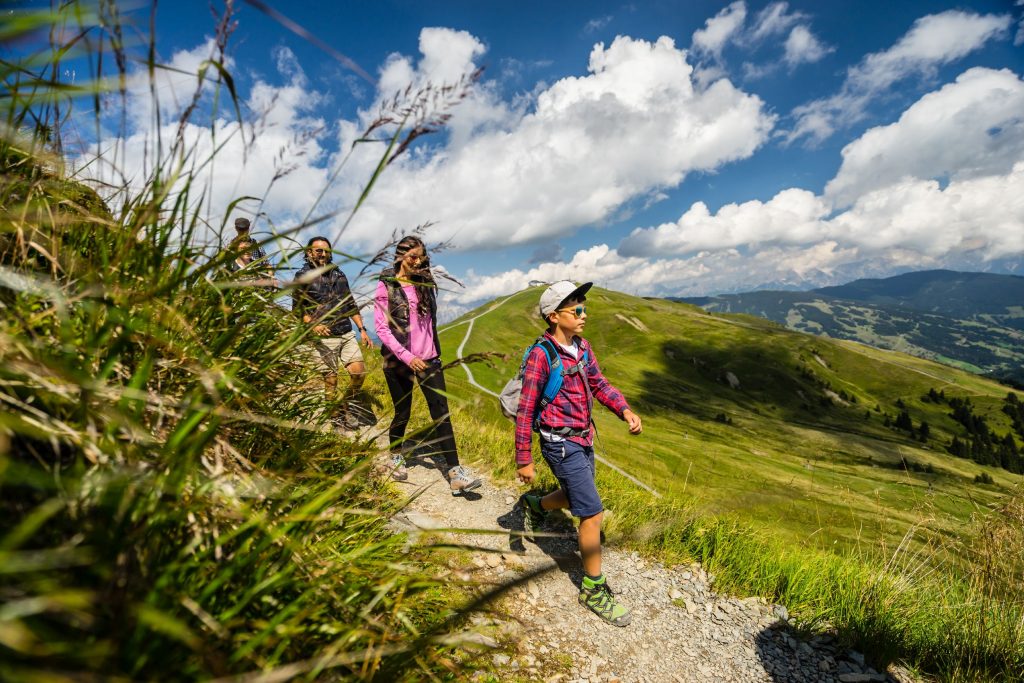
[[590, 544], [556, 500], [589, 533]]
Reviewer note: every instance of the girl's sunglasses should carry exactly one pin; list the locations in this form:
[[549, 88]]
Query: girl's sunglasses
[[577, 311]]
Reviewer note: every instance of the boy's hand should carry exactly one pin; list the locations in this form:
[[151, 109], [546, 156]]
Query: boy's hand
[[633, 420], [526, 473]]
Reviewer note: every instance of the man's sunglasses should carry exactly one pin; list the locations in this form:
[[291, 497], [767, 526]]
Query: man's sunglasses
[[319, 251], [577, 311]]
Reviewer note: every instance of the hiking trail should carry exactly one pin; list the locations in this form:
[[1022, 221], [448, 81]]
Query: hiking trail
[[682, 629]]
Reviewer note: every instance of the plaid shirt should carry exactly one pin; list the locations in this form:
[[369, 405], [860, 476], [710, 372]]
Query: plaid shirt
[[571, 406]]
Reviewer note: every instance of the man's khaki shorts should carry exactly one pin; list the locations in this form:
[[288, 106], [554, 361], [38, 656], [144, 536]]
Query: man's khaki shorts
[[331, 354]]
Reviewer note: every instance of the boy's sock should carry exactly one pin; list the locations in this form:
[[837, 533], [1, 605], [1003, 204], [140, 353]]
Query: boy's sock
[[589, 582], [533, 515], [534, 503]]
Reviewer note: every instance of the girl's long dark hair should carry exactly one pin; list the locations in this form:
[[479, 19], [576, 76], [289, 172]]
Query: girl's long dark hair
[[422, 278]]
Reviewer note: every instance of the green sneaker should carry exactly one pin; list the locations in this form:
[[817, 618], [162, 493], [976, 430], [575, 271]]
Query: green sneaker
[[534, 515], [601, 601]]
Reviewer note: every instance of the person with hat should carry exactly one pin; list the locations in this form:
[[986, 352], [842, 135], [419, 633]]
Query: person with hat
[[242, 228], [567, 435]]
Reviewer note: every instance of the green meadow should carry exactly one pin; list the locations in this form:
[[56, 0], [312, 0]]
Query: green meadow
[[175, 498], [778, 473], [790, 454]]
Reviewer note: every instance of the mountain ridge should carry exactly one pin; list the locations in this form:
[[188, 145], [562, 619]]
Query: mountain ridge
[[971, 320]]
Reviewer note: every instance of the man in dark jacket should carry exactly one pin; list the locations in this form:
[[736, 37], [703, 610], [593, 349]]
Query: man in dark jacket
[[322, 299]]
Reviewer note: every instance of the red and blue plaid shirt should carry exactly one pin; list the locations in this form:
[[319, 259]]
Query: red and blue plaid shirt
[[571, 406]]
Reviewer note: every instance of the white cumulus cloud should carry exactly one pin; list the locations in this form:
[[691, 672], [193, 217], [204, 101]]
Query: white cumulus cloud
[[980, 214], [719, 29], [793, 216], [803, 48], [792, 241], [635, 124], [932, 41], [971, 127], [572, 154], [941, 187], [599, 264], [272, 153]]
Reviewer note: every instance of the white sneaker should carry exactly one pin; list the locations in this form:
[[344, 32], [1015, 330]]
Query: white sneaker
[[399, 472], [462, 480]]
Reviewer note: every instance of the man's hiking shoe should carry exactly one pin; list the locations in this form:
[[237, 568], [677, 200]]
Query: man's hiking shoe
[[346, 422], [601, 601], [534, 515], [396, 466], [462, 480], [362, 414]]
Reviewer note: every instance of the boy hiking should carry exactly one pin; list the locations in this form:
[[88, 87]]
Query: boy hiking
[[567, 437]]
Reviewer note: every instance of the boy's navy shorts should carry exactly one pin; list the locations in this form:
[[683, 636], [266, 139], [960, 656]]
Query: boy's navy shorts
[[573, 466]]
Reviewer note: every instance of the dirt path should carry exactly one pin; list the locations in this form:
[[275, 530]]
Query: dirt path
[[682, 630]]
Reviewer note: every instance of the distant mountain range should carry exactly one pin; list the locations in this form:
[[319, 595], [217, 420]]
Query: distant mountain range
[[970, 320]]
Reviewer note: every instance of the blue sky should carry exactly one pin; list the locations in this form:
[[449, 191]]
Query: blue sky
[[660, 148]]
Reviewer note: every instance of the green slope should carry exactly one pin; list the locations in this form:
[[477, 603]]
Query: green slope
[[801, 450], [973, 321]]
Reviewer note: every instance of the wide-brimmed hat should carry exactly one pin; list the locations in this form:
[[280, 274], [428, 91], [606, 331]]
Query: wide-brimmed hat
[[560, 292]]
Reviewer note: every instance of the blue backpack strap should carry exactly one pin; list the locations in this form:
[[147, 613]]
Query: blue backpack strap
[[554, 382]]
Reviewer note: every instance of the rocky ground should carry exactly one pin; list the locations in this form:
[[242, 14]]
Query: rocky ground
[[682, 629]]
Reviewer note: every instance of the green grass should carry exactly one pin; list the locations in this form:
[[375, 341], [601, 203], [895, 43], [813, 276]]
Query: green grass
[[823, 476], [173, 500], [800, 503]]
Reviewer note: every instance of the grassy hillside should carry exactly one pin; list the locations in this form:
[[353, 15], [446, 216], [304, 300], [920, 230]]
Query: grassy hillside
[[175, 503], [973, 321], [798, 445]]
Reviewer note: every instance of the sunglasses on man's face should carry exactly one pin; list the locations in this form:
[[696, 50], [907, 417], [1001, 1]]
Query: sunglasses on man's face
[[319, 251], [577, 311]]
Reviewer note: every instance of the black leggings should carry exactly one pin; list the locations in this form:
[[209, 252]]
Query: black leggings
[[401, 379]]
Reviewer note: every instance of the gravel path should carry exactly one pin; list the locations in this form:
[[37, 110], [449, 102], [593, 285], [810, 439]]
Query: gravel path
[[682, 630]]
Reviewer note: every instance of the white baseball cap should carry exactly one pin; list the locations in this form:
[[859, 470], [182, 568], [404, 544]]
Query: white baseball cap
[[560, 292]]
